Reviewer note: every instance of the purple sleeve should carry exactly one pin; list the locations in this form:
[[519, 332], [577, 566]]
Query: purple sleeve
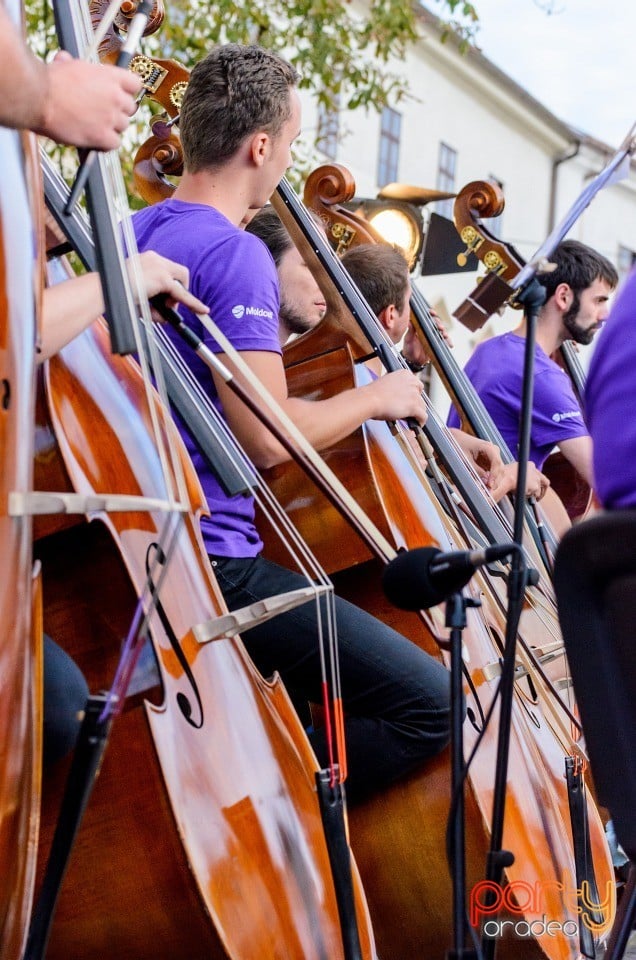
[[610, 400], [452, 419], [556, 414], [239, 283]]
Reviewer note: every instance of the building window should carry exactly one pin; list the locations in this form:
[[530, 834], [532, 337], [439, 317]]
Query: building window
[[389, 146], [495, 224], [625, 261], [446, 169], [329, 127]]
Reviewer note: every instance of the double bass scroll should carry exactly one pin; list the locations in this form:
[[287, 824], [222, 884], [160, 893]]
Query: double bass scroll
[[477, 200]]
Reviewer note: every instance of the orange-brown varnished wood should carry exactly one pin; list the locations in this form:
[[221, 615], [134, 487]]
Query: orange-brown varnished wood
[[203, 836], [377, 478], [20, 653], [570, 487], [399, 836], [405, 873]]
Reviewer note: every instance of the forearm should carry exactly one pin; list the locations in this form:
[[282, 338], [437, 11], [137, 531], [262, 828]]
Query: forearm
[[322, 422], [578, 451], [22, 105], [61, 322], [325, 422]]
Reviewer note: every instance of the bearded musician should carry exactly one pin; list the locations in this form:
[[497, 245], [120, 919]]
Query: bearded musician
[[576, 306]]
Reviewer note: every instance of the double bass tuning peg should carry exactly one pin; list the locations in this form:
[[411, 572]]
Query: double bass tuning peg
[[473, 241]]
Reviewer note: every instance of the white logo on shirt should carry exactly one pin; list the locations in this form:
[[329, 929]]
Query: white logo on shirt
[[239, 311], [568, 415]]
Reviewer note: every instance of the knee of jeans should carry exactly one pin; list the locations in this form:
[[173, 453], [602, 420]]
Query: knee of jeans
[[437, 692], [429, 719], [431, 735], [61, 726], [65, 696]]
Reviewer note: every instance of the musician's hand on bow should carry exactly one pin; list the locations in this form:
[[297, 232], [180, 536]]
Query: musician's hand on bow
[[85, 104], [161, 275], [536, 482]]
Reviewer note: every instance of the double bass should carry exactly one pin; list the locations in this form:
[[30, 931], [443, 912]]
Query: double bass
[[326, 190], [203, 831], [360, 579], [21, 644], [202, 837], [412, 936]]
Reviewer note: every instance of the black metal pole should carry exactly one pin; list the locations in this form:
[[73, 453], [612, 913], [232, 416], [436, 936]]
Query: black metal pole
[[456, 619], [532, 298]]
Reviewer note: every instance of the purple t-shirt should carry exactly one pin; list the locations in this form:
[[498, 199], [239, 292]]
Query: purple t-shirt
[[610, 397], [234, 274], [496, 371]]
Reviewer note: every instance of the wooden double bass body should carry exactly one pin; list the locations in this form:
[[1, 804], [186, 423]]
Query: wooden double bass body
[[20, 616], [203, 837], [326, 190], [399, 837]]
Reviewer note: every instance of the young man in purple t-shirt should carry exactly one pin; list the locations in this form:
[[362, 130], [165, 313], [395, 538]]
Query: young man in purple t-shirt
[[240, 116], [576, 305]]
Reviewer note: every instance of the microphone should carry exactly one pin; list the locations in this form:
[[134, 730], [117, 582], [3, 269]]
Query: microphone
[[421, 578]]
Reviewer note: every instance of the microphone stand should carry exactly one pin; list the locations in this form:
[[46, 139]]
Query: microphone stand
[[532, 297], [456, 606]]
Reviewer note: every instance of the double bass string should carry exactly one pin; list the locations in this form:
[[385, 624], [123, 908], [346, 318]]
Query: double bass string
[[486, 512], [120, 229], [449, 494], [117, 215], [296, 546]]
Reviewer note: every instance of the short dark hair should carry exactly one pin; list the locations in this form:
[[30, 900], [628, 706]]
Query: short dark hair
[[381, 272], [233, 92], [267, 225], [579, 266]]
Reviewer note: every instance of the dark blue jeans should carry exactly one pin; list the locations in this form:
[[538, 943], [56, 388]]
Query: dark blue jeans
[[395, 696], [65, 695]]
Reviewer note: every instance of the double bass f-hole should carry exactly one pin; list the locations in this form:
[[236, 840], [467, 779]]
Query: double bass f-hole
[[156, 557]]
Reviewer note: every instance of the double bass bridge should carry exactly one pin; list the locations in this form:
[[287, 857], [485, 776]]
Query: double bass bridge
[[35, 503]]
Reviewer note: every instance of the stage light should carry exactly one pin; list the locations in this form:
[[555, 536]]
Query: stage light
[[400, 225], [396, 215]]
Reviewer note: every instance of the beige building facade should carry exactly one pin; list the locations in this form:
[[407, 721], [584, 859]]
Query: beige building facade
[[466, 120]]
